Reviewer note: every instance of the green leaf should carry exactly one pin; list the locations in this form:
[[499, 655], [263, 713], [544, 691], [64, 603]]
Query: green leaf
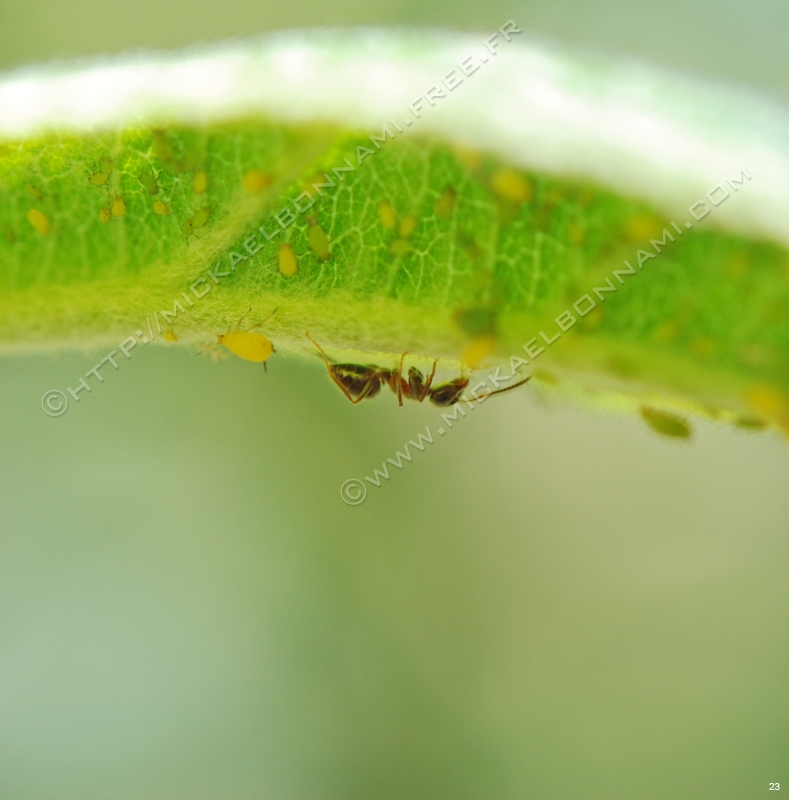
[[411, 241]]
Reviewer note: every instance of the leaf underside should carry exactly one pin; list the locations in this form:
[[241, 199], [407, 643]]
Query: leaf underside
[[421, 246]]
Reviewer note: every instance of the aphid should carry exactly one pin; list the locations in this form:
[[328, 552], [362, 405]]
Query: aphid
[[359, 382], [201, 217], [408, 225], [247, 345], [33, 193], [200, 183], [400, 247], [387, 215], [255, 181], [197, 220], [288, 265], [161, 147], [478, 349], [39, 221], [105, 215], [98, 179], [665, 424], [193, 156], [510, 185], [750, 423], [160, 208], [118, 207], [318, 240], [147, 178], [101, 177], [445, 204]]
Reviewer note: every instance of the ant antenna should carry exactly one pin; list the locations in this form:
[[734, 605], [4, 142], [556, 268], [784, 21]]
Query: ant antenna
[[499, 391]]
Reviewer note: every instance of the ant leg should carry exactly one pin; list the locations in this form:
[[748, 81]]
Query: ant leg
[[325, 360], [499, 391], [366, 389], [330, 368], [400, 380], [428, 382]]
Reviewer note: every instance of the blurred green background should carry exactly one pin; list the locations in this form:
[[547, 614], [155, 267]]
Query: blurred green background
[[544, 604]]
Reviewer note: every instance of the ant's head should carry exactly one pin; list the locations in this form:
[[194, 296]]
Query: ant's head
[[448, 393]]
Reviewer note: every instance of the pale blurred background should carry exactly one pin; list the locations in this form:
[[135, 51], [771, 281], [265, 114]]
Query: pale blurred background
[[546, 603]]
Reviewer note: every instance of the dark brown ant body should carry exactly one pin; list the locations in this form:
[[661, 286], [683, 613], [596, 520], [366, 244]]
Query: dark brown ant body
[[359, 382]]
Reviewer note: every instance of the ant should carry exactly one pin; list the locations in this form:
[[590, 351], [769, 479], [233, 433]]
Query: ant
[[358, 382]]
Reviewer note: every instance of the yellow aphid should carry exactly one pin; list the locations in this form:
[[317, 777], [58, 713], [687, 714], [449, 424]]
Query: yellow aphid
[[196, 221], [737, 265], [200, 183], [387, 215], [511, 185], [319, 242], [105, 215], [33, 193], [666, 332], [38, 221], [643, 227], [160, 208], [98, 179], [665, 424], [169, 336], [201, 217], [703, 346], [576, 234], [446, 204], [288, 265], [309, 184], [161, 147], [766, 401], [478, 350], [408, 225], [101, 177], [148, 179], [255, 180], [247, 345], [593, 319], [118, 207], [471, 159], [400, 247]]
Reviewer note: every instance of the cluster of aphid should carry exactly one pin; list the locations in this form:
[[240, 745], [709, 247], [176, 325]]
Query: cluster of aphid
[[358, 381]]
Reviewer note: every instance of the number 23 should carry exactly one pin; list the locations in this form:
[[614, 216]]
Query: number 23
[[774, 787]]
